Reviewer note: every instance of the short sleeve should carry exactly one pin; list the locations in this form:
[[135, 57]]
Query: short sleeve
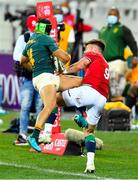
[[89, 56], [92, 55], [51, 44]]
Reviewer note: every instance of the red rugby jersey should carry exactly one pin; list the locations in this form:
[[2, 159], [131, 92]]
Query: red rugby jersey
[[97, 73]]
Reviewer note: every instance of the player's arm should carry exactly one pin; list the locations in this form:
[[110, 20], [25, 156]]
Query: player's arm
[[81, 64], [26, 63], [56, 51], [62, 55]]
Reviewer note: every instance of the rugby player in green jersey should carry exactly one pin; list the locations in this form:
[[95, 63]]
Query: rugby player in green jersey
[[37, 56]]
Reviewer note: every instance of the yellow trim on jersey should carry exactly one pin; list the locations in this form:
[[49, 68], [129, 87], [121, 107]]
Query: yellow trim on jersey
[[30, 55]]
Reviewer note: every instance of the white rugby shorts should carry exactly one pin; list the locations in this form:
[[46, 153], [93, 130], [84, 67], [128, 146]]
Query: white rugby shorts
[[45, 79], [86, 96]]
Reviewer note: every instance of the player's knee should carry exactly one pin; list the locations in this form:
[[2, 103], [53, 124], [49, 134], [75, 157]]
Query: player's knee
[[50, 105]]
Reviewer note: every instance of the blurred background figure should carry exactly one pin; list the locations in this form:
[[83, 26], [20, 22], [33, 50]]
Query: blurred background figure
[[117, 37], [76, 21], [66, 34], [69, 18], [20, 16], [131, 92], [29, 96]]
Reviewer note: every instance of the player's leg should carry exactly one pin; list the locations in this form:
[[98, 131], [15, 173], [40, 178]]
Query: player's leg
[[38, 103], [60, 100], [93, 116], [68, 82], [77, 97], [94, 103], [47, 85], [65, 83], [26, 103], [90, 144], [45, 136], [48, 95]]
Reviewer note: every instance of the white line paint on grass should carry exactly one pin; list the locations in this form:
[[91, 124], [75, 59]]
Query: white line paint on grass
[[44, 170]]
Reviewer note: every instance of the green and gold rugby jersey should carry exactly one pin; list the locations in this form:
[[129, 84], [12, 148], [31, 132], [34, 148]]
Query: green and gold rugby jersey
[[39, 49]]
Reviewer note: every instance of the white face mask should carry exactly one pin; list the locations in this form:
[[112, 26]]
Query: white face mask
[[59, 18], [112, 19]]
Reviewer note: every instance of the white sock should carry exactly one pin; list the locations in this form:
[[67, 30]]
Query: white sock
[[23, 135], [48, 129], [90, 159]]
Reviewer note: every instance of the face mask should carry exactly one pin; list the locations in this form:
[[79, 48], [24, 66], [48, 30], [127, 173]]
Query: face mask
[[112, 19], [59, 18], [65, 10]]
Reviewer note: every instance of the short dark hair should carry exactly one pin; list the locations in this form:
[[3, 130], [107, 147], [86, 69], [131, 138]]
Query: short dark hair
[[113, 8], [43, 26], [45, 21], [98, 42]]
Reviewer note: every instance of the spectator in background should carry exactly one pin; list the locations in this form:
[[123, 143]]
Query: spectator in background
[[69, 18], [26, 87], [131, 90], [66, 33], [67, 38], [117, 37], [131, 100]]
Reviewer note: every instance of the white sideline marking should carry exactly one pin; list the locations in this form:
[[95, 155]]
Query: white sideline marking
[[52, 171]]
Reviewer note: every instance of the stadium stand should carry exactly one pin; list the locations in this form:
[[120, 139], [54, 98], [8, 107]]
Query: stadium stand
[[93, 11]]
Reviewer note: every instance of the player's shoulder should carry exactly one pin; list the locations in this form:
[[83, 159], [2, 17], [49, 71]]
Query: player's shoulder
[[105, 62], [93, 55], [47, 38]]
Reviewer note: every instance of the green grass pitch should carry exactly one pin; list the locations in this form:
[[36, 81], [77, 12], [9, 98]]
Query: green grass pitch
[[117, 160]]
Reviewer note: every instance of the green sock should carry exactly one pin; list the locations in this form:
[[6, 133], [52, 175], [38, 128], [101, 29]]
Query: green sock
[[36, 133]]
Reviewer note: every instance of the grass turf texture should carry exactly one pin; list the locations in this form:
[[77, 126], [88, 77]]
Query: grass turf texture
[[118, 159]]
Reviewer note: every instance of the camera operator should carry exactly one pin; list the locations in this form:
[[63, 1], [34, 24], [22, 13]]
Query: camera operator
[[21, 16], [66, 31], [28, 93]]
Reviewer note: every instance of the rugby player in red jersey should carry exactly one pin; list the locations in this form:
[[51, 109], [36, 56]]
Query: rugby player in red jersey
[[92, 94]]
